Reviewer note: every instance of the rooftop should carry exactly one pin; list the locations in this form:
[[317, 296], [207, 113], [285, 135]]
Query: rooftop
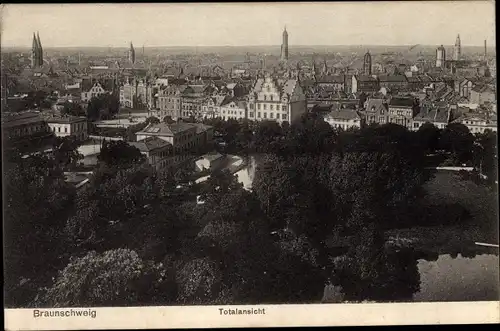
[[150, 144], [343, 114], [17, 119], [165, 129]]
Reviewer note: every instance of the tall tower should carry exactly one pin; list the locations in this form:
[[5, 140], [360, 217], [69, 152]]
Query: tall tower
[[367, 64], [457, 51], [485, 50], [131, 54], [284, 46], [440, 56], [34, 52], [40, 50]]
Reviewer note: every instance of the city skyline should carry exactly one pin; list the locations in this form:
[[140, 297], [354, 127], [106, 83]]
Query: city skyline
[[236, 25]]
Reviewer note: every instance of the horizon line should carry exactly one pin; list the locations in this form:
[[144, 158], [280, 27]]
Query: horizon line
[[276, 45]]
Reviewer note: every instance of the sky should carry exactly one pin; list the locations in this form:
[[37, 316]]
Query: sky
[[244, 24]]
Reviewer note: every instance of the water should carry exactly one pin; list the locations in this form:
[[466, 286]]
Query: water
[[445, 279], [459, 279], [448, 279], [246, 175]]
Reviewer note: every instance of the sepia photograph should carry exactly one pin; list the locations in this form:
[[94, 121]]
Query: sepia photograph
[[241, 160]]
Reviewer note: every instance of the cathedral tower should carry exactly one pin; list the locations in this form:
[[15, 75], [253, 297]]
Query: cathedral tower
[[131, 54], [367, 64], [284, 46], [457, 50]]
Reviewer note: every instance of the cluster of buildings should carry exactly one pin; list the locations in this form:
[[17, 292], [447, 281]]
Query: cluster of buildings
[[29, 125], [456, 89]]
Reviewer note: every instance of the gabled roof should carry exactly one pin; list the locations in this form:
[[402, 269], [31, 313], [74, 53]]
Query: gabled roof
[[343, 114], [338, 79], [375, 105], [150, 144], [482, 88], [365, 78], [393, 78], [433, 114], [401, 102]]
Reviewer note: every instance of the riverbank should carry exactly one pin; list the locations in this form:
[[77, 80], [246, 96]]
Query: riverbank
[[482, 226]]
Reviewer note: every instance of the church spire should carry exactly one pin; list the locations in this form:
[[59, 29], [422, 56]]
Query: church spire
[[40, 49]]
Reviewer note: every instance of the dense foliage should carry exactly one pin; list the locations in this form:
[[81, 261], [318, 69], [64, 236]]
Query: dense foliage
[[130, 237]]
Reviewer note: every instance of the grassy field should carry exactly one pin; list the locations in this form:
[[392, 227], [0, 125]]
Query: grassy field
[[482, 226]]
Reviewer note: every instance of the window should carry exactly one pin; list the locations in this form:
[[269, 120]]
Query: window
[[258, 107], [284, 116], [265, 97], [283, 107], [272, 98], [258, 114], [271, 115], [65, 129], [265, 106], [271, 107], [265, 115]]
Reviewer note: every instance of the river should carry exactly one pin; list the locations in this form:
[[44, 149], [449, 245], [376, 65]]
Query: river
[[448, 278]]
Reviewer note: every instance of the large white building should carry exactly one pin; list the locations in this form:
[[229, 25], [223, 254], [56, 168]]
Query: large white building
[[344, 119], [65, 126], [276, 100]]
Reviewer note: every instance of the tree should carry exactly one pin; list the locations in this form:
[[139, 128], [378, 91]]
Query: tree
[[310, 135], [457, 139], [267, 136], [65, 151], [369, 271], [428, 135], [119, 154], [70, 108], [36, 204], [114, 278], [485, 154]]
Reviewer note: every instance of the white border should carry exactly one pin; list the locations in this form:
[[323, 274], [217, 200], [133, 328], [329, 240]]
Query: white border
[[275, 316]]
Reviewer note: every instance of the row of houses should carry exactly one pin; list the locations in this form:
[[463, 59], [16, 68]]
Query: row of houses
[[409, 113], [477, 90]]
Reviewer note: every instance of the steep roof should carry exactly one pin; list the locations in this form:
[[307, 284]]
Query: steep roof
[[433, 114], [150, 144], [10, 120], [343, 114], [375, 105], [392, 78], [401, 102]]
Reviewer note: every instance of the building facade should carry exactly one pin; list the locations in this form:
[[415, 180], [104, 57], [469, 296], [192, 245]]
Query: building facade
[[367, 84], [158, 152], [440, 57], [276, 100], [68, 126], [23, 125], [401, 111], [137, 95], [170, 101], [96, 90], [344, 119]]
